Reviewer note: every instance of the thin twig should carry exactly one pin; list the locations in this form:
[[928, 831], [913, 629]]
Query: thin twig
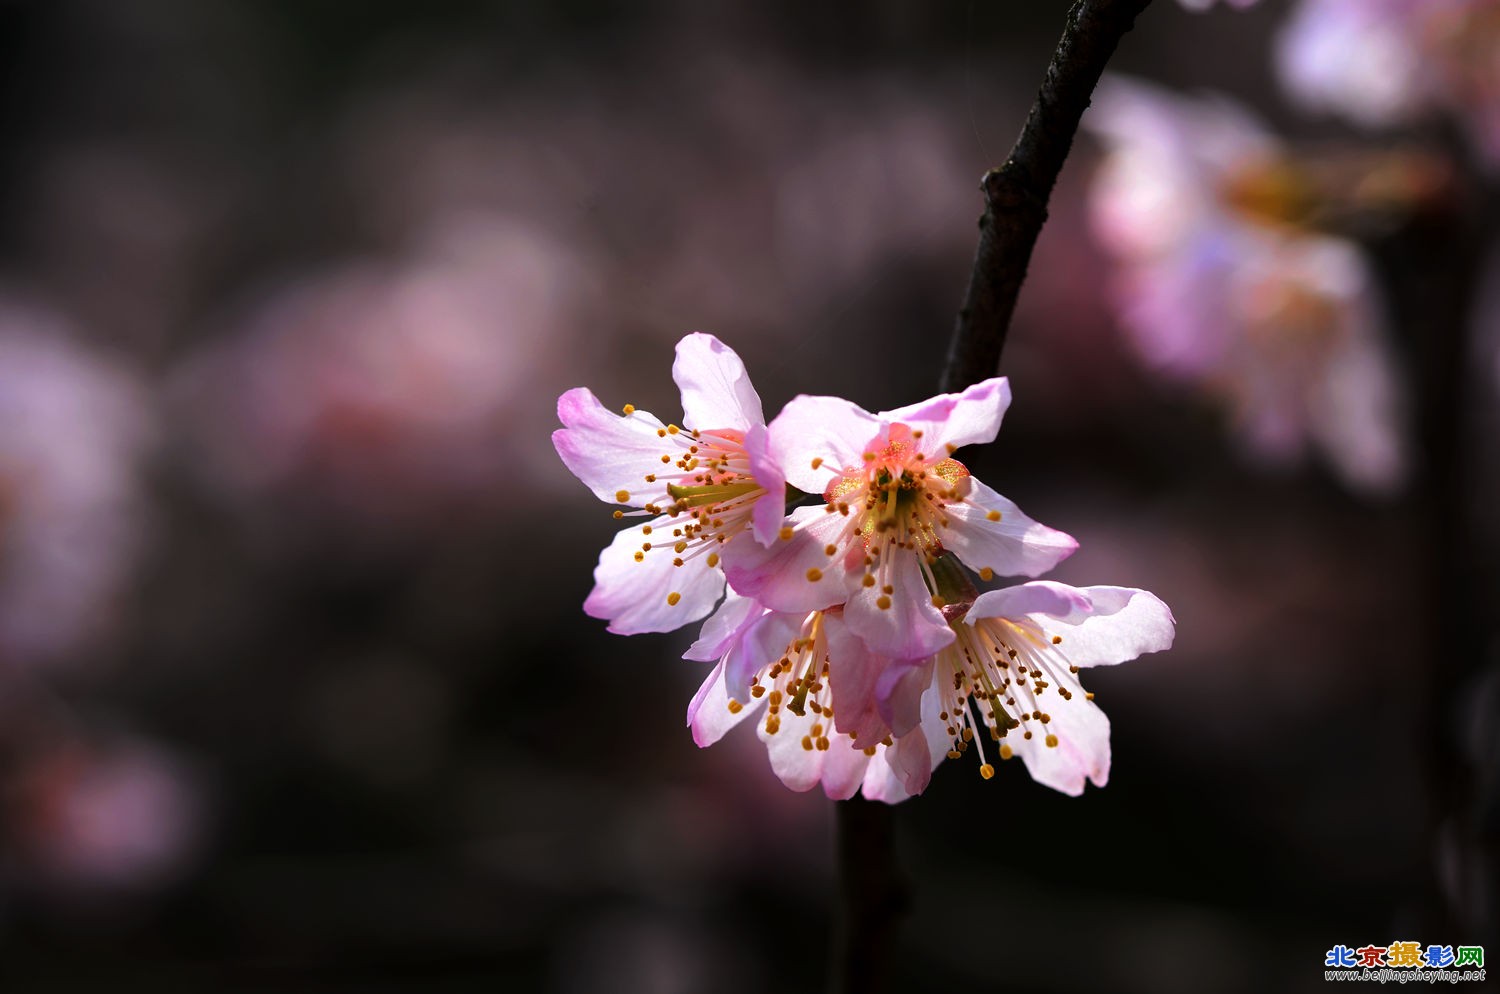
[[1016, 194]]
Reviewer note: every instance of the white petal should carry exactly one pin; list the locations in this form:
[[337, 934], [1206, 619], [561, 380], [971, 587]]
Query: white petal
[[716, 390], [633, 596], [708, 714], [608, 452], [830, 430], [910, 627], [723, 628], [957, 419], [1082, 750], [1015, 545], [778, 575]]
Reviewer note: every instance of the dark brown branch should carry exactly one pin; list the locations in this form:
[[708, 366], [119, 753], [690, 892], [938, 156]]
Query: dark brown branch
[[1016, 194], [873, 894]]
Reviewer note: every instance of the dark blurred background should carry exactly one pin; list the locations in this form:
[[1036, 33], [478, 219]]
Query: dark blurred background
[[296, 691]]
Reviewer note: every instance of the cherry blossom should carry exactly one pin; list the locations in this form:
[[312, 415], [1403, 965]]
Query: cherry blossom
[[1384, 63], [1010, 677], [702, 486], [1222, 283], [896, 499], [810, 683]]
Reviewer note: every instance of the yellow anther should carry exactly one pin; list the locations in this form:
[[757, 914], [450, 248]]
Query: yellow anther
[[817, 462], [883, 602], [673, 598], [993, 515], [1056, 639], [677, 561], [822, 743], [951, 448], [1052, 742], [645, 529], [814, 574], [937, 600], [986, 771], [807, 743], [629, 409], [672, 429], [1006, 751], [713, 560], [661, 433], [1088, 695], [785, 534], [640, 557], [830, 549], [735, 707], [619, 514], [680, 546], [666, 458], [868, 581], [869, 457]]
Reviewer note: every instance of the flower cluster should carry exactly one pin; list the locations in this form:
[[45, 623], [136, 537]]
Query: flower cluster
[[1224, 281], [851, 631]]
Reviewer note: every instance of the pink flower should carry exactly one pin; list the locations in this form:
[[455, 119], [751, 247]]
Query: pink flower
[[1221, 285], [896, 499], [815, 683], [1385, 63], [1010, 677], [703, 485]]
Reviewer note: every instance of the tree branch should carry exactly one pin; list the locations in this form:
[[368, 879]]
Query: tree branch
[[873, 893], [1016, 194]]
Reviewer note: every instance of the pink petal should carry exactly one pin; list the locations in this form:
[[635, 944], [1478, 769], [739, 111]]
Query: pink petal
[[910, 628], [1013, 546], [844, 767], [778, 576], [899, 691], [708, 714], [957, 419], [716, 390], [852, 674], [723, 628], [764, 641], [608, 452], [632, 596], [827, 429], [769, 510]]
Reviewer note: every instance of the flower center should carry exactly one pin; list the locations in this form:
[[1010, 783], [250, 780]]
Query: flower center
[[995, 676], [711, 496], [896, 501]]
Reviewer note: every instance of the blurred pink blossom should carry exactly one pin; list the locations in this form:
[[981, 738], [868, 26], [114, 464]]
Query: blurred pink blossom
[[122, 815], [1218, 286], [388, 387], [1390, 62], [1200, 5], [73, 427]]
